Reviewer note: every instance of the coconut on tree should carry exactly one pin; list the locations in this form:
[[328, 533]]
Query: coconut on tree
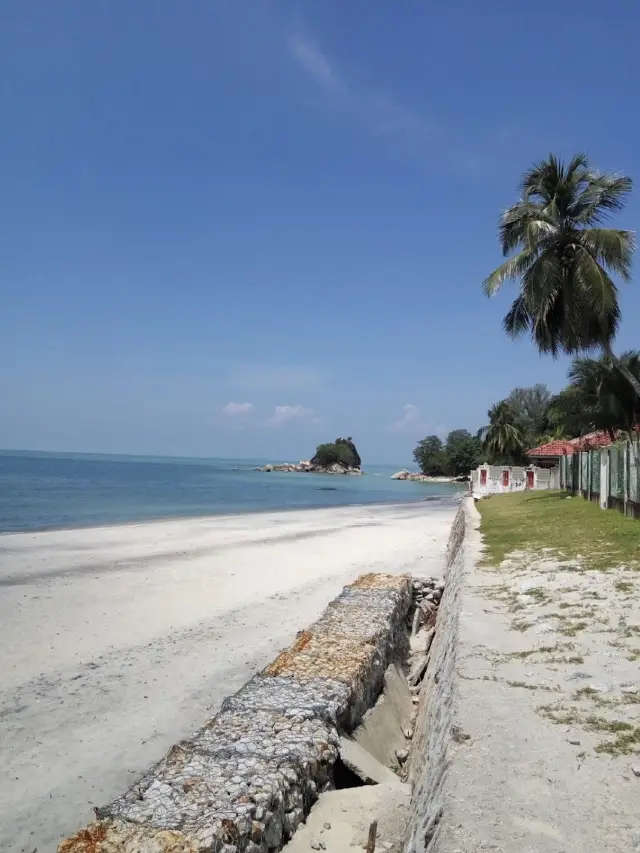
[[564, 259]]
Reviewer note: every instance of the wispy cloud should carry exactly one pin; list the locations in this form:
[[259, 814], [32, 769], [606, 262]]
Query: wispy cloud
[[314, 62], [234, 410], [376, 108], [412, 423], [235, 417], [287, 414]]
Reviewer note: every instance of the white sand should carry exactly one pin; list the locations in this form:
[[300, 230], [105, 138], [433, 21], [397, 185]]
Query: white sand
[[119, 641]]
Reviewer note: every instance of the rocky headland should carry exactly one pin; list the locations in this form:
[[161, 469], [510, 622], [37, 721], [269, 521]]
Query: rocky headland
[[338, 457]]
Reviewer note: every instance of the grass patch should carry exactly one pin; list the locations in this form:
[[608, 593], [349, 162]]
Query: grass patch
[[572, 628], [550, 650], [533, 521], [627, 737], [588, 692], [527, 686], [624, 586], [521, 625], [625, 743], [538, 594]]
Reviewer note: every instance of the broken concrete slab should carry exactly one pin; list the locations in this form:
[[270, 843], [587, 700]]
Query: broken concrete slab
[[382, 729], [421, 642], [418, 669], [348, 814], [365, 765]]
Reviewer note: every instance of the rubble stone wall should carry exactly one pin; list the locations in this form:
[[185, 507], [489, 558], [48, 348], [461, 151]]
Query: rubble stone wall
[[249, 776]]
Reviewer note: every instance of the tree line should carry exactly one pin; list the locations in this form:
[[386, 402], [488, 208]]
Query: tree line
[[563, 260]]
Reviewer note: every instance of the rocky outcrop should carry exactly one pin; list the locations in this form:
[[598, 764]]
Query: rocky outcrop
[[417, 477], [349, 456], [339, 457], [307, 467]]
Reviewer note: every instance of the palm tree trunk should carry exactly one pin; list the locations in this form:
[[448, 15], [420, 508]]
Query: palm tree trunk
[[624, 370]]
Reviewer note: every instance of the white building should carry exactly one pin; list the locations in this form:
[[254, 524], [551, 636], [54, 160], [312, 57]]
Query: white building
[[500, 479]]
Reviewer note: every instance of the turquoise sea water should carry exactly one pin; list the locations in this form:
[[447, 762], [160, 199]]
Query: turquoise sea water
[[43, 491]]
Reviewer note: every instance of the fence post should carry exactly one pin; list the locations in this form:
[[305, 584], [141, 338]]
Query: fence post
[[604, 478], [625, 460]]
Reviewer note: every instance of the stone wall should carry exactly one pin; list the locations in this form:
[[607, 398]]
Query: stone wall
[[435, 725], [249, 776]]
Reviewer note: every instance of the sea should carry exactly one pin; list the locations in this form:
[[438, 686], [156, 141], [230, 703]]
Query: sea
[[48, 491]]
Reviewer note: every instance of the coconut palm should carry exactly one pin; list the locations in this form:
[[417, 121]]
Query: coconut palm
[[503, 437], [598, 397], [565, 259]]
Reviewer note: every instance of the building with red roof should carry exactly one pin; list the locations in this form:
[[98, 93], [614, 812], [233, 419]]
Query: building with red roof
[[548, 455]]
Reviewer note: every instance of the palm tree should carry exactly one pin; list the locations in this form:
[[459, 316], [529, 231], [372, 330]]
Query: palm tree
[[598, 397], [503, 436], [567, 299]]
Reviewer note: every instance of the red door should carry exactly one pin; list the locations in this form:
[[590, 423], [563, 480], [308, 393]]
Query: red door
[[505, 478], [483, 477], [529, 479]]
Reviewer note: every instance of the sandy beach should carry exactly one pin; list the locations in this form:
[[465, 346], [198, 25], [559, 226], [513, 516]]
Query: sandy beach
[[118, 641]]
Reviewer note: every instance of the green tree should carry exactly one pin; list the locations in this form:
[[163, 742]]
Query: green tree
[[503, 438], [598, 397], [529, 407], [430, 456], [463, 452], [332, 453], [564, 259]]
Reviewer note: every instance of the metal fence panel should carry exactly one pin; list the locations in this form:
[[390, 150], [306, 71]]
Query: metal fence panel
[[594, 464], [584, 471], [634, 471], [616, 460], [571, 473]]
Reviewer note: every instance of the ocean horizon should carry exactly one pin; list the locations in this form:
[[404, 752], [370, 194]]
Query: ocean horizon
[[44, 490]]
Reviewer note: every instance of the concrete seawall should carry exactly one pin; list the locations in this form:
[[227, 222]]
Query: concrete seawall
[[436, 733], [247, 779]]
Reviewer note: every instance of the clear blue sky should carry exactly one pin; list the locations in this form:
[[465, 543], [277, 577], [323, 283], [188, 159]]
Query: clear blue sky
[[288, 207]]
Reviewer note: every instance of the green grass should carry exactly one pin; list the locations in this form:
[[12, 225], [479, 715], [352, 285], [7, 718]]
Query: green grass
[[625, 743], [572, 628], [531, 521], [627, 736]]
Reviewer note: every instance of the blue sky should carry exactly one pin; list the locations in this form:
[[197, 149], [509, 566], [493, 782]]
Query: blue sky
[[240, 228]]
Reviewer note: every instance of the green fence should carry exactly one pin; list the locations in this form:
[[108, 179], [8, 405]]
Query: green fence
[[610, 476]]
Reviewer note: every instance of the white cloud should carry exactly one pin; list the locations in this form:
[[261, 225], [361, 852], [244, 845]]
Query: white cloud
[[288, 414], [375, 108], [412, 423], [314, 62], [237, 409]]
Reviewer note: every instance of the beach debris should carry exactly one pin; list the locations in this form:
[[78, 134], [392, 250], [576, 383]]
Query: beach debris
[[371, 840]]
